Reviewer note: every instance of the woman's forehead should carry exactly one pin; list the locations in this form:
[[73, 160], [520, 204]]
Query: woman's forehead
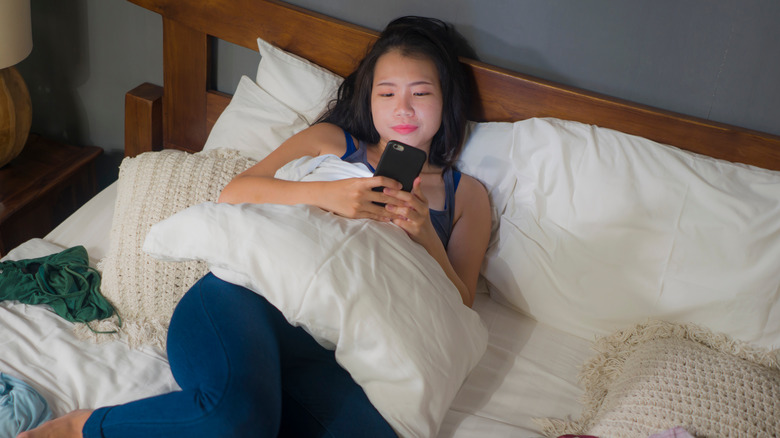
[[394, 67]]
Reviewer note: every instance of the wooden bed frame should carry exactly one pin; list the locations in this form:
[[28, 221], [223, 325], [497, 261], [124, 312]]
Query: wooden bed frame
[[181, 113]]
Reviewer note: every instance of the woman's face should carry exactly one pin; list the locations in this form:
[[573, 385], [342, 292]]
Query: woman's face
[[406, 99]]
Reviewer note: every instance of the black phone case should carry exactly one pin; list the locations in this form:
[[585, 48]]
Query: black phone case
[[400, 162]]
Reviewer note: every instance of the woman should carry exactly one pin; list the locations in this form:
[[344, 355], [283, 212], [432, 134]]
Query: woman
[[243, 370]]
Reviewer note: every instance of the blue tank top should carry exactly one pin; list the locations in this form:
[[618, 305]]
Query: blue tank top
[[442, 219]]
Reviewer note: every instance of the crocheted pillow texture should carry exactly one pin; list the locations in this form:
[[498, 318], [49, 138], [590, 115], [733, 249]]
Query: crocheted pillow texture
[[152, 187], [659, 375]]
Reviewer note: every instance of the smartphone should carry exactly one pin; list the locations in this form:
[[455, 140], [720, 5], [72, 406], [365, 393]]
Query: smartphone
[[400, 162]]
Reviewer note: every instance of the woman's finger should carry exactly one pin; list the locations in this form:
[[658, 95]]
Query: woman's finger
[[417, 190]]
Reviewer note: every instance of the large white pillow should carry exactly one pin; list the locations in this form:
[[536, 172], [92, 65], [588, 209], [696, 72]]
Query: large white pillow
[[289, 95], [302, 85], [605, 229], [397, 322], [254, 123], [485, 157]]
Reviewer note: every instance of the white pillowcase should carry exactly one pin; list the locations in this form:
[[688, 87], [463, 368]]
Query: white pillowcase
[[605, 229], [485, 157], [254, 123], [398, 324], [302, 85], [289, 95]]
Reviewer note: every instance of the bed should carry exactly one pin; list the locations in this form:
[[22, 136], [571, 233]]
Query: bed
[[632, 283]]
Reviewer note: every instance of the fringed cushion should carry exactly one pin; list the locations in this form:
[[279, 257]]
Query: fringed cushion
[[660, 375], [152, 187]]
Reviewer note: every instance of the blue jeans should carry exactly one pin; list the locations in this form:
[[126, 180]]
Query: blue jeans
[[244, 372]]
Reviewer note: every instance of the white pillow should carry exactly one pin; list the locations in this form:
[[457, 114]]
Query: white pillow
[[605, 229], [398, 324], [485, 157], [254, 123], [302, 85]]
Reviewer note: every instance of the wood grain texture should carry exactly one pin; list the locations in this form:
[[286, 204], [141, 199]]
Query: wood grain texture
[[47, 182], [186, 57], [317, 37], [143, 119]]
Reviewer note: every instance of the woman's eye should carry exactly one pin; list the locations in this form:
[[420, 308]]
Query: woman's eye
[[386, 94], [422, 93]]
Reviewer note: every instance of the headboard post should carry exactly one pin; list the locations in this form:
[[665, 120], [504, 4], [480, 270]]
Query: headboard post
[[143, 119], [186, 67]]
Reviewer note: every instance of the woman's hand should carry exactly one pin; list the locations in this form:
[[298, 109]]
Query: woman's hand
[[355, 198], [410, 211]]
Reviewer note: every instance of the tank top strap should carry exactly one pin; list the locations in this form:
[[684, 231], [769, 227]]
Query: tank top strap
[[356, 154], [443, 219], [350, 145], [451, 180]]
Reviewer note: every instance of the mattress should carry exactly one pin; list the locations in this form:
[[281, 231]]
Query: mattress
[[529, 369]]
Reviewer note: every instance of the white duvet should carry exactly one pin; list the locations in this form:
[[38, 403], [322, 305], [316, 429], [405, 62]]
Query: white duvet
[[396, 321]]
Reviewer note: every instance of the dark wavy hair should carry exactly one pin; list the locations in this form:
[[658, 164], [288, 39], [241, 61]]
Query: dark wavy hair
[[419, 37]]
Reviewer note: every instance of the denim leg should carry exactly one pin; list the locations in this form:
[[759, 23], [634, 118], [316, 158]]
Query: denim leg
[[224, 355], [319, 397], [244, 371]]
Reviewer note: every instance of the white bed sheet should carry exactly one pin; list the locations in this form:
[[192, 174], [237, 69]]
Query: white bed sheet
[[529, 369]]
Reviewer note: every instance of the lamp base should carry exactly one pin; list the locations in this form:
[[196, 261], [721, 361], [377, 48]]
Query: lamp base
[[15, 114]]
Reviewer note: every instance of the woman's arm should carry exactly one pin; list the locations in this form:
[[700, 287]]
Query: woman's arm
[[350, 197], [470, 233], [257, 184]]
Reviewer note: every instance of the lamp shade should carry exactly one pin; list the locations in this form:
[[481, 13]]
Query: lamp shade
[[15, 105], [15, 32]]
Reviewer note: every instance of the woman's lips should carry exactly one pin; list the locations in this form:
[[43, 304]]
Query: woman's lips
[[404, 129]]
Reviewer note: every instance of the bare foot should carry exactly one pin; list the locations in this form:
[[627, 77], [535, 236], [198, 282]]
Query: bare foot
[[67, 426]]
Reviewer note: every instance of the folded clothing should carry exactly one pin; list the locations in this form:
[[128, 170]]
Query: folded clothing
[[21, 407]]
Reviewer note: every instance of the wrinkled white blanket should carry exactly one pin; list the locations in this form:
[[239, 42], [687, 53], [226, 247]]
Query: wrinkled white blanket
[[326, 167], [397, 322]]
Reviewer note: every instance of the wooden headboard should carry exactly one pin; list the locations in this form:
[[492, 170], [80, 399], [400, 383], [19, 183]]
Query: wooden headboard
[[181, 113]]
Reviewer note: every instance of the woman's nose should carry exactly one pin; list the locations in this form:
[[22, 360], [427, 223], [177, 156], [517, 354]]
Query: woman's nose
[[404, 107]]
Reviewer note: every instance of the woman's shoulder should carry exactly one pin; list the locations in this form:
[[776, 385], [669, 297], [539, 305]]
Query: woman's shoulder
[[328, 137], [472, 193], [471, 186], [325, 132]]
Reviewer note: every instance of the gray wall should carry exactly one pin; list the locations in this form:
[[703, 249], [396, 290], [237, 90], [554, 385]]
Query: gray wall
[[714, 59]]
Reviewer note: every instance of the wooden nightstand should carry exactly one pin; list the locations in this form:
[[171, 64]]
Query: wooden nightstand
[[42, 186]]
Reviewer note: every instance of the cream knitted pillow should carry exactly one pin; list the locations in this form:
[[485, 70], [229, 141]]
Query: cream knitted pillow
[[152, 187], [661, 375]]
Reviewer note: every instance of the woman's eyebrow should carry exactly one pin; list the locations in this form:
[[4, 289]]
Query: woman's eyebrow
[[391, 83]]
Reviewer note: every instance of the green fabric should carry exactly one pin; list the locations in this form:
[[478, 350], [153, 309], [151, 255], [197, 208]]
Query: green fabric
[[64, 281]]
